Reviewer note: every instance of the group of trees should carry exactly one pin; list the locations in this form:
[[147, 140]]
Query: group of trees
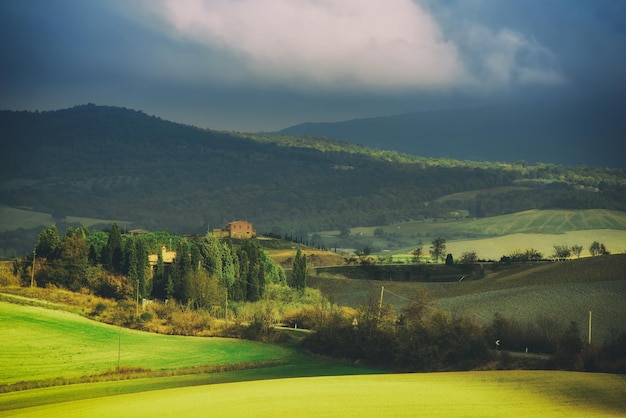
[[423, 338], [418, 339], [561, 252], [437, 251], [114, 265]]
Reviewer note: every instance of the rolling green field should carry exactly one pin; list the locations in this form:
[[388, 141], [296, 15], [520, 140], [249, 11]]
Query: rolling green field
[[530, 221], [38, 344], [41, 344], [495, 247], [564, 291], [470, 394], [12, 218], [493, 237]]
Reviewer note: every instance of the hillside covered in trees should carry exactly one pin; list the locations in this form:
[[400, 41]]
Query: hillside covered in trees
[[120, 164]]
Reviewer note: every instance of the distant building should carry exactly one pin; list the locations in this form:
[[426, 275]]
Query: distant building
[[460, 213], [168, 257], [136, 232], [236, 230]]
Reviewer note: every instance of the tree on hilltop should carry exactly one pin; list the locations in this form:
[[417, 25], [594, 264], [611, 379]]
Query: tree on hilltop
[[562, 252], [469, 257], [417, 255], [577, 250], [438, 248], [597, 248]]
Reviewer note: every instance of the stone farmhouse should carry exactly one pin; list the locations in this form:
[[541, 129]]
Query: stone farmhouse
[[236, 230]]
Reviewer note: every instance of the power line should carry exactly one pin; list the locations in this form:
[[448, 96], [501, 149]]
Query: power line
[[401, 297]]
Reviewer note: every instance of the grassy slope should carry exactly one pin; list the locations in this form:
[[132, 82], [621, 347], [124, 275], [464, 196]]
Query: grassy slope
[[42, 344], [531, 221], [493, 237], [481, 394], [12, 218], [565, 291], [494, 248]]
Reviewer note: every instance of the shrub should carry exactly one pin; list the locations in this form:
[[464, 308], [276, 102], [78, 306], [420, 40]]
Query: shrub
[[146, 316], [99, 309], [7, 278]]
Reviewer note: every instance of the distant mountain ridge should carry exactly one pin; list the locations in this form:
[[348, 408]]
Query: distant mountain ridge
[[559, 133]]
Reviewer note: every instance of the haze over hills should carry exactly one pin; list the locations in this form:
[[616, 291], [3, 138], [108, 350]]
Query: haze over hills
[[570, 133]]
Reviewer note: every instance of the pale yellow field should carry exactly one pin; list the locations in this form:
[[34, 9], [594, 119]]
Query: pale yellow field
[[496, 247], [468, 394]]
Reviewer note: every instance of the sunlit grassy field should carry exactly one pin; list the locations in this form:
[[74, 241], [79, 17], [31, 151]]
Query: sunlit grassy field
[[494, 248], [468, 394], [564, 291], [40, 344], [493, 237]]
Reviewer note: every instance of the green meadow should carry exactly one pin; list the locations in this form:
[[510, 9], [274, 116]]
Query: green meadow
[[172, 375], [468, 394], [13, 218], [40, 344]]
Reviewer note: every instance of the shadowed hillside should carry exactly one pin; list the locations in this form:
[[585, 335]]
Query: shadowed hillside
[[562, 133], [109, 163]]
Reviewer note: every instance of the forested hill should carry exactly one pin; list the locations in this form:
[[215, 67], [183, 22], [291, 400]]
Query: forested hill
[[553, 132], [114, 163]]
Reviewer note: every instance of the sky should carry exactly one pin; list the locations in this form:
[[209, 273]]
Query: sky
[[263, 65]]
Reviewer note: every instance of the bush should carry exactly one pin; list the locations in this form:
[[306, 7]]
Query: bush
[[7, 278], [146, 316]]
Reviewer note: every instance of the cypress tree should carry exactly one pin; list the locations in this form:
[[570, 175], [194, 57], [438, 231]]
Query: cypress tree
[[299, 271], [112, 252], [159, 289]]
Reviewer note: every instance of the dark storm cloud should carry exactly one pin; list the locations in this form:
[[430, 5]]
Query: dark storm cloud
[[253, 64]]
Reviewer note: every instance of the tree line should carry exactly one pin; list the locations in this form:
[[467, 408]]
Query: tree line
[[204, 272], [423, 338]]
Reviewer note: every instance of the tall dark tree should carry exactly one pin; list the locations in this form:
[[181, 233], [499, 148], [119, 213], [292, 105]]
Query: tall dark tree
[[211, 250], [417, 255], [68, 270], [299, 271], [252, 271], [145, 286], [48, 242], [241, 276], [112, 254], [438, 248], [180, 273], [159, 288], [229, 268]]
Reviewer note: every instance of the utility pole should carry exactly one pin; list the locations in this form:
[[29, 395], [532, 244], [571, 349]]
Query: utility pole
[[137, 308], [119, 346], [589, 341], [32, 273], [226, 308], [380, 304]]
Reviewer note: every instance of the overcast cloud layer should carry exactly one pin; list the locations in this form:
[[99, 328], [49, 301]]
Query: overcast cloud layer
[[267, 64]]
